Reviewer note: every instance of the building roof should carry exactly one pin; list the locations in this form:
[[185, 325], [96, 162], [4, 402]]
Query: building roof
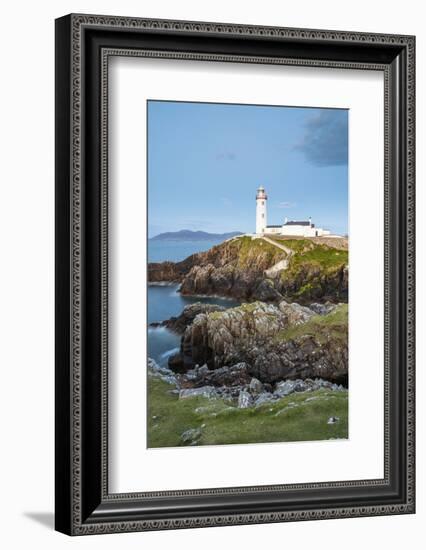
[[298, 223], [273, 226]]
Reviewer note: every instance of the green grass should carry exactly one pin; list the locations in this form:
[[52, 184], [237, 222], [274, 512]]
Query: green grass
[[314, 271], [333, 326], [255, 252], [306, 251], [297, 417], [297, 245], [324, 256]]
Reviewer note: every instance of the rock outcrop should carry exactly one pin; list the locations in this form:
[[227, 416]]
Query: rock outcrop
[[309, 281], [169, 272], [235, 375], [179, 324], [249, 269], [287, 341], [235, 385]]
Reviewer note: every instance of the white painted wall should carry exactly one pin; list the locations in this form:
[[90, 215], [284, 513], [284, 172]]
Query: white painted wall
[[261, 211], [260, 215], [297, 231], [26, 218]]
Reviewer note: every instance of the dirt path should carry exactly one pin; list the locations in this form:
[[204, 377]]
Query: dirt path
[[282, 264], [287, 250]]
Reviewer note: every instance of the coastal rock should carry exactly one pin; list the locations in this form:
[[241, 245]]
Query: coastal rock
[[176, 363], [302, 358], [236, 375], [179, 324], [191, 436], [226, 281], [217, 339], [295, 313], [164, 373], [247, 269], [204, 391], [245, 400], [264, 337], [165, 272], [203, 370], [251, 395], [322, 309], [263, 398], [289, 386], [310, 282], [192, 375], [266, 292], [255, 386]]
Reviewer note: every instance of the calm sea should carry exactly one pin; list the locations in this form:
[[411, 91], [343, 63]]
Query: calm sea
[[175, 251], [165, 301]]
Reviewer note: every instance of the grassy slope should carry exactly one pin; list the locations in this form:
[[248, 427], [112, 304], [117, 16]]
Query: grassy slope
[[333, 326], [297, 417], [255, 252], [307, 251], [311, 265]]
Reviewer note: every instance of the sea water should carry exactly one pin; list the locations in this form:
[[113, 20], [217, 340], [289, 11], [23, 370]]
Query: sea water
[[165, 300], [176, 251]]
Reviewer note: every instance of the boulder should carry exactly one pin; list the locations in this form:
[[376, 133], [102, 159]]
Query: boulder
[[204, 391], [176, 363], [263, 398], [191, 436], [245, 400], [256, 387], [204, 369], [157, 371], [322, 309], [290, 386], [266, 292], [237, 375]]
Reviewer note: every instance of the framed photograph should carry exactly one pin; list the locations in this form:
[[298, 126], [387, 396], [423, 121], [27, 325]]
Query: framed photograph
[[234, 274]]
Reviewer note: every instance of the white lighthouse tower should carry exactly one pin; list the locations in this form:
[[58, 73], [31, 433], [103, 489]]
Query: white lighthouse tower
[[261, 199]]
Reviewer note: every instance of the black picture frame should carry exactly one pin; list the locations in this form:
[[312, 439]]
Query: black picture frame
[[83, 504]]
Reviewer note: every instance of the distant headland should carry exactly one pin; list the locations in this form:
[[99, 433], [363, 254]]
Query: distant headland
[[188, 235]]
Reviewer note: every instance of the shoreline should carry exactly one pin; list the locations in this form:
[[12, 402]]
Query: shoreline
[[215, 296], [163, 283]]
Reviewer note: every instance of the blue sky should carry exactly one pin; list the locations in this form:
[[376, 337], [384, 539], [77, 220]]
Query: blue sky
[[205, 162]]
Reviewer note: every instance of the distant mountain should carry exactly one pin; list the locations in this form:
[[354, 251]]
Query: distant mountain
[[187, 235]]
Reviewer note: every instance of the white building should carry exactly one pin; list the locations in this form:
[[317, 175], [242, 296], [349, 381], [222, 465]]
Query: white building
[[304, 228]]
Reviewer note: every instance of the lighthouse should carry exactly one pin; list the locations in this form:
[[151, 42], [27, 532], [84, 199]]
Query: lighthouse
[[261, 199], [290, 228]]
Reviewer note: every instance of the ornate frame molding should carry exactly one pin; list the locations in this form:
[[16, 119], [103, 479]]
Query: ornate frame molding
[[71, 43]]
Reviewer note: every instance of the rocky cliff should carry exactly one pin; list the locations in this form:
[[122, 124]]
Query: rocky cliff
[[277, 342], [253, 269]]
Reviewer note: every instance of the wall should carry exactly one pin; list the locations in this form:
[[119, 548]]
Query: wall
[[26, 218]]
